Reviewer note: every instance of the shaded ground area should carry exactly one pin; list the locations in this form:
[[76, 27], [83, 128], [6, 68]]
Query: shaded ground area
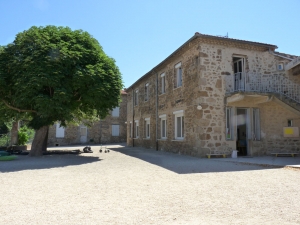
[[140, 186]]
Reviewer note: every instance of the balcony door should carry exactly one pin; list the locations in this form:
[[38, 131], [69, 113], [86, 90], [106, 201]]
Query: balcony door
[[239, 76]]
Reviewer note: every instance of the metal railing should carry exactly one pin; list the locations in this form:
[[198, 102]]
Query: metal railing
[[245, 82]]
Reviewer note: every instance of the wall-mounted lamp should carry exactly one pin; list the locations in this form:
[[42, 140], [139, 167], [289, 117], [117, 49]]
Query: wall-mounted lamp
[[125, 122], [199, 107]]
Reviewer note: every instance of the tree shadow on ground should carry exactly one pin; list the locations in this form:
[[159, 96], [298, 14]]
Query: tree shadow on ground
[[183, 164], [24, 162]]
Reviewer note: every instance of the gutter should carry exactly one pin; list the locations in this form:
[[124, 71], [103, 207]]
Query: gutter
[[156, 111], [132, 128]]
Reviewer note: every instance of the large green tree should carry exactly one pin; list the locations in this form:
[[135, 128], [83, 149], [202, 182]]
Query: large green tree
[[56, 74]]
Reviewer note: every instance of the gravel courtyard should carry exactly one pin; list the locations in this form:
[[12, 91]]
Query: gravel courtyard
[[139, 186]]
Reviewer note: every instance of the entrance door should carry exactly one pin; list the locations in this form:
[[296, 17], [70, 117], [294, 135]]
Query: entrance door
[[83, 134], [242, 132], [239, 77]]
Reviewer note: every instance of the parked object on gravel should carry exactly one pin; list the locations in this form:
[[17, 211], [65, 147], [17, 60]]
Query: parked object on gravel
[[87, 149]]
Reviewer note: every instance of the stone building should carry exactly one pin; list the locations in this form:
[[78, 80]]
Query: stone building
[[112, 129], [214, 92]]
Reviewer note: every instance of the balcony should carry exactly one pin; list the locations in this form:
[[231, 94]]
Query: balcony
[[277, 85]]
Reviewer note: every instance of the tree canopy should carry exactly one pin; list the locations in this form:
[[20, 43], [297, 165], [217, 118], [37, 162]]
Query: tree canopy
[[56, 74]]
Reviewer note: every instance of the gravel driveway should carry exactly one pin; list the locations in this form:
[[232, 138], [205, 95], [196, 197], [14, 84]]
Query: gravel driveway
[[139, 186]]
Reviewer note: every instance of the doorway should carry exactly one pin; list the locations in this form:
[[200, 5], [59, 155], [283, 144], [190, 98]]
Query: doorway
[[241, 143], [83, 134], [239, 77]]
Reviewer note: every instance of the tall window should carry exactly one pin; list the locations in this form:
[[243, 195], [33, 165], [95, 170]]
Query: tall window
[[116, 112], [147, 127], [163, 83], [256, 125], [179, 124], [163, 126], [228, 124], [136, 97], [136, 127], [147, 92], [60, 131], [115, 130], [178, 74]]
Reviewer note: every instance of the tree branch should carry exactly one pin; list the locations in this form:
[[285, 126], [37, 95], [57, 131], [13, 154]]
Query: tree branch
[[19, 110]]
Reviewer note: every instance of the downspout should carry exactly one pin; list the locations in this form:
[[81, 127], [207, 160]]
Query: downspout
[[132, 137], [273, 53], [156, 109]]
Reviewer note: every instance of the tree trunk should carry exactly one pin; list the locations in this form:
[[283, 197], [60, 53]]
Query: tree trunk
[[39, 143], [14, 133]]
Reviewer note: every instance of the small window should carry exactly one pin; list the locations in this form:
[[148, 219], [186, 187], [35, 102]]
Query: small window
[[179, 124], [147, 92], [163, 83], [116, 112], [163, 126], [280, 66], [178, 75], [147, 127], [60, 131], [136, 127], [290, 123], [115, 130], [136, 97]]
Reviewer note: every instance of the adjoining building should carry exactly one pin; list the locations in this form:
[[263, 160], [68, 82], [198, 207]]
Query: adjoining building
[[112, 129], [214, 92]]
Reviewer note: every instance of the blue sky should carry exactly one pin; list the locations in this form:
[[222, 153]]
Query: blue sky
[[140, 34]]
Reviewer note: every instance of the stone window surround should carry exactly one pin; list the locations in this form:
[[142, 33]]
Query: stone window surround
[[163, 118], [136, 97], [136, 127], [178, 114], [178, 75], [147, 132]]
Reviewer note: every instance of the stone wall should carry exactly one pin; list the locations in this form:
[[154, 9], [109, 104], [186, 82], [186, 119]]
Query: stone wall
[[99, 133], [205, 65]]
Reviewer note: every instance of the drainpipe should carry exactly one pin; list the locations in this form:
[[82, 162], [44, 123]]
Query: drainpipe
[[132, 137], [273, 53], [156, 109]]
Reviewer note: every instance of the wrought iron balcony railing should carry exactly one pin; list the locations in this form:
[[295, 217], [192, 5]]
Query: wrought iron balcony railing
[[245, 82]]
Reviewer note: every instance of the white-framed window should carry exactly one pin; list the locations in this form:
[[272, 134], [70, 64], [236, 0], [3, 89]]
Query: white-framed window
[[147, 92], [115, 130], [178, 75], [228, 124], [179, 124], [60, 131], [136, 128], [163, 83], [147, 127], [116, 112], [163, 126], [136, 97], [256, 125]]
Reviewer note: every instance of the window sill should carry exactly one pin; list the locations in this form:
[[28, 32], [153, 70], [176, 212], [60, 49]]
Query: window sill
[[146, 138], [162, 139], [162, 94], [178, 139], [135, 138], [177, 87]]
